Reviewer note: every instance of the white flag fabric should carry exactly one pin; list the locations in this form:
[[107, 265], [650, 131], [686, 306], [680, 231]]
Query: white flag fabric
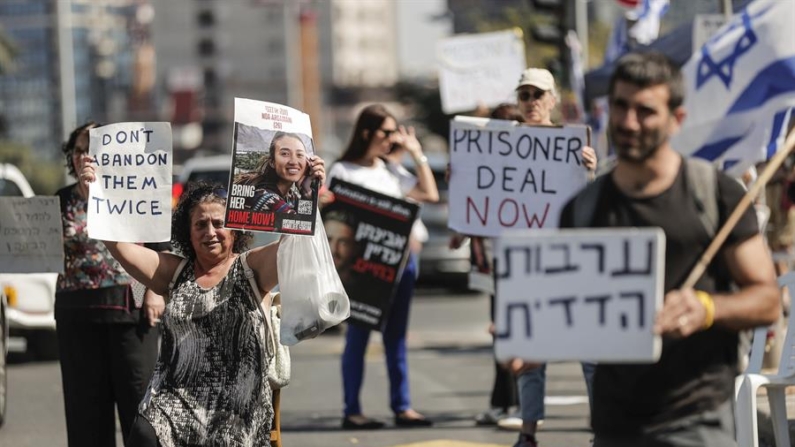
[[740, 88], [647, 17]]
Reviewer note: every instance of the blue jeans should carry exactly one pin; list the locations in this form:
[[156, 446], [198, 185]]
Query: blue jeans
[[532, 386], [394, 337]]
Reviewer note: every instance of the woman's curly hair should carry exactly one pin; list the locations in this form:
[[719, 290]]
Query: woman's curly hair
[[68, 147], [200, 192]]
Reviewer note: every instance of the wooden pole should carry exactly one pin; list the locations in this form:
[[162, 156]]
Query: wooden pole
[[745, 202]]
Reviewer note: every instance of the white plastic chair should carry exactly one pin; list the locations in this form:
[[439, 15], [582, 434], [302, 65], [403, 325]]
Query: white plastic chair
[[747, 384]]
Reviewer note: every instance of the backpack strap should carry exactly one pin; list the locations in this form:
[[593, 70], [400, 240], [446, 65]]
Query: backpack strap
[[585, 202], [702, 182]]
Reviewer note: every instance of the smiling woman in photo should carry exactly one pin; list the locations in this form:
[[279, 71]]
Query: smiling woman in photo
[[280, 178]]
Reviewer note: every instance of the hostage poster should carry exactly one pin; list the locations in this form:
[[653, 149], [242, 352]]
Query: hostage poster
[[368, 234], [270, 188]]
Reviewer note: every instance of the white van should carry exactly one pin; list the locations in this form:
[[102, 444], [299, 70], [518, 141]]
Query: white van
[[30, 297]]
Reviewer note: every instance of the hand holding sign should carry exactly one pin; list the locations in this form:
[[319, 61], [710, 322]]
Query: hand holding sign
[[682, 314]]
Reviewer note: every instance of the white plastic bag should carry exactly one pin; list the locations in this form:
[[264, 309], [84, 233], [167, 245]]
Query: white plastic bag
[[313, 298]]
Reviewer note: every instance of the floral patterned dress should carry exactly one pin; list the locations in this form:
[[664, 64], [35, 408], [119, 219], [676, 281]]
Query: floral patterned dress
[[210, 385]]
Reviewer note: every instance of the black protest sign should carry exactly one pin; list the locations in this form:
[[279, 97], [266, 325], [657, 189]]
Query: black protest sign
[[368, 235]]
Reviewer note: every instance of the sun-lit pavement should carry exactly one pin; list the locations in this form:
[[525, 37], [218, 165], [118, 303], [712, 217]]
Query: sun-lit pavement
[[451, 373]]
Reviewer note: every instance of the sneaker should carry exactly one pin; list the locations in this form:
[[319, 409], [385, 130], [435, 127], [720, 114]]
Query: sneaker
[[526, 440], [510, 423], [514, 423], [490, 417]]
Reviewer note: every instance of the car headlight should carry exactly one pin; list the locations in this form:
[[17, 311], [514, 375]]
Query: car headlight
[[11, 294]]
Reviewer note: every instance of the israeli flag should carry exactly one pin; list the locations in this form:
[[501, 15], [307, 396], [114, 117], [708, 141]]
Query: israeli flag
[[647, 17], [740, 88], [645, 28]]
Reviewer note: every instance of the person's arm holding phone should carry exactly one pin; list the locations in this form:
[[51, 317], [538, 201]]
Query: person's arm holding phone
[[425, 190]]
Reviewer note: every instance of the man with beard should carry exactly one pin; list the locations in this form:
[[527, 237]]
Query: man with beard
[[686, 397]]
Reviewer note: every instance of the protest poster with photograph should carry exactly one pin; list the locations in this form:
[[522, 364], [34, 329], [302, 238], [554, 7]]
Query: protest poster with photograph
[[505, 175], [130, 201], [479, 69], [31, 235], [271, 189], [368, 234], [579, 294]]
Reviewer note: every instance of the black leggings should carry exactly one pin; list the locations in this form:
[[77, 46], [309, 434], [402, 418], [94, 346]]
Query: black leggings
[[142, 434]]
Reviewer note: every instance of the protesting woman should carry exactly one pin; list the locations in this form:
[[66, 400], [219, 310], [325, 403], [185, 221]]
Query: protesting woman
[[281, 177], [107, 349], [375, 133], [210, 386]]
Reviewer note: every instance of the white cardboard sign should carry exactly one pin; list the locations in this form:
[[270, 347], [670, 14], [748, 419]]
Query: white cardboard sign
[[579, 294], [479, 69], [31, 238], [504, 175], [130, 201]]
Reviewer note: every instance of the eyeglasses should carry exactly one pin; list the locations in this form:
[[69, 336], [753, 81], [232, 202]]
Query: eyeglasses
[[388, 132], [525, 95], [220, 192]]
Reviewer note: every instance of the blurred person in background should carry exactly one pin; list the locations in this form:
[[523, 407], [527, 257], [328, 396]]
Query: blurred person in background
[[419, 232], [537, 97], [503, 391], [281, 177], [364, 163], [107, 345]]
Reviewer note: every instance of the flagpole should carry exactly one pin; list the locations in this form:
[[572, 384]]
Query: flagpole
[[739, 210], [726, 8]]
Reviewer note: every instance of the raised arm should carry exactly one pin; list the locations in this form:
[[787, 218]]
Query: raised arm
[[425, 190], [262, 261], [151, 268]]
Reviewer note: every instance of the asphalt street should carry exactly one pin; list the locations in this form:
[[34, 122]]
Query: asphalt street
[[451, 372]]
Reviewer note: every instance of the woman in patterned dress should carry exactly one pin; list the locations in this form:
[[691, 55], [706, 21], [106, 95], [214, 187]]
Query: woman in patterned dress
[[210, 385], [280, 177]]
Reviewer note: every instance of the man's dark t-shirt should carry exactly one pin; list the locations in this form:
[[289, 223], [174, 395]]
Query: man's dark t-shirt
[[694, 374]]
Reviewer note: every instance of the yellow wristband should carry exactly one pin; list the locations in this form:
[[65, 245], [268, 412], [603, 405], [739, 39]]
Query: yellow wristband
[[709, 307]]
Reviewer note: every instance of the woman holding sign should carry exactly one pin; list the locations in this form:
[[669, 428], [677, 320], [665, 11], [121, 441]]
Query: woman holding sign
[[280, 178], [107, 350], [210, 385], [363, 163], [537, 97]]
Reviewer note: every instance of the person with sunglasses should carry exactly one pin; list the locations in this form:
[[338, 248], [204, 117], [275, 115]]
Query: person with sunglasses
[[281, 176], [364, 163], [537, 98], [210, 385]]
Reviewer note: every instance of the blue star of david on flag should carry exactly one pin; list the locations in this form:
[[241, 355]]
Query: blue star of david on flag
[[724, 68]]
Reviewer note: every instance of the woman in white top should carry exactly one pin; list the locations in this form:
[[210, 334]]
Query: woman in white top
[[363, 163]]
